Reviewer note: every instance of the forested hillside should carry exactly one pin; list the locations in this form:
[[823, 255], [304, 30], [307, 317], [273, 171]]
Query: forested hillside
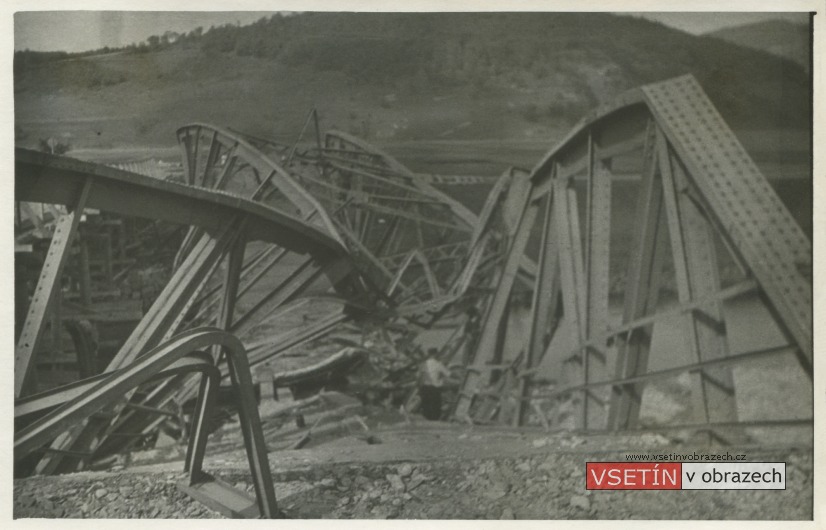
[[393, 76]]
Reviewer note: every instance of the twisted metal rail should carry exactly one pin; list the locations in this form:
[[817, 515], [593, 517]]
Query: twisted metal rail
[[183, 354]]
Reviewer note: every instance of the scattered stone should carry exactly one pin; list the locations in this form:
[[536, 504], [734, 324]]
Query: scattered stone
[[100, 493], [28, 501], [328, 483], [405, 470], [573, 441], [507, 514], [580, 501], [385, 512], [416, 481], [541, 442], [650, 438], [374, 493], [497, 491], [126, 490], [396, 482]]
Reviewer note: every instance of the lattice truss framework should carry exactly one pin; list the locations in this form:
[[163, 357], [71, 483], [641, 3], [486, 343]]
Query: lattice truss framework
[[279, 229], [708, 228], [273, 226]]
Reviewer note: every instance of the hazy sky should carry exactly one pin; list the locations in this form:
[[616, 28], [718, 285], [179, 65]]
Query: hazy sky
[[89, 30]]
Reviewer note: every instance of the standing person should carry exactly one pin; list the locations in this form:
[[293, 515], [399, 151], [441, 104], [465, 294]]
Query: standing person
[[432, 376]]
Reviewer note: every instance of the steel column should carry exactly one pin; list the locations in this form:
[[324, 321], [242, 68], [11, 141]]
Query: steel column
[[695, 265], [488, 340], [48, 286]]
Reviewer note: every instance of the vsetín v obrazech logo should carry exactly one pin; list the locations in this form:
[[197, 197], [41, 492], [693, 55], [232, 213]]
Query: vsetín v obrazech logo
[[685, 476]]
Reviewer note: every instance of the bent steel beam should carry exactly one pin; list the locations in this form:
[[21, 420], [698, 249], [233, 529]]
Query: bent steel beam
[[237, 148], [41, 177], [166, 360]]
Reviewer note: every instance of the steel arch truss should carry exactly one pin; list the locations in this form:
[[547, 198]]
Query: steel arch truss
[[708, 227], [270, 227]]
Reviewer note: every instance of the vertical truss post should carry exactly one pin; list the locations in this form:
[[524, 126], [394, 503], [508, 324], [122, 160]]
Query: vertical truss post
[[543, 307], [642, 285], [572, 284], [317, 129], [695, 265], [108, 271], [239, 374], [83, 270], [498, 379], [235, 261], [47, 288], [56, 322], [200, 425], [212, 157], [189, 157], [598, 240], [490, 331]]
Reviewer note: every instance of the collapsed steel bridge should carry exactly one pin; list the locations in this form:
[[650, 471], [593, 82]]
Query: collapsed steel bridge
[[271, 226]]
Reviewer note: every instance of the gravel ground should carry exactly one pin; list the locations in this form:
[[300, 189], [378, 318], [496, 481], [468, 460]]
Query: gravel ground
[[538, 487], [105, 495], [548, 485]]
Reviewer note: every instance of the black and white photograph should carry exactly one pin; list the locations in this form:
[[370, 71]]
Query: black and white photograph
[[378, 261]]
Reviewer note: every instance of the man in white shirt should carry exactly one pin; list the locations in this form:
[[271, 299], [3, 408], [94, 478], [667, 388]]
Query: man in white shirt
[[432, 377]]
